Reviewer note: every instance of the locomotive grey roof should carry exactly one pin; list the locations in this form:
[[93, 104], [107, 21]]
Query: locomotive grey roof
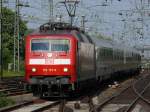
[[66, 28], [61, 28], [55, 28]]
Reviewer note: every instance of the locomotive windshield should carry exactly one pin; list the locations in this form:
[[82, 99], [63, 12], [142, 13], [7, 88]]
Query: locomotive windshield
[[50, 45]]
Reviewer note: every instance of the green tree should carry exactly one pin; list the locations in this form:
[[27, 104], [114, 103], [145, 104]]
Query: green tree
[[8, 21]]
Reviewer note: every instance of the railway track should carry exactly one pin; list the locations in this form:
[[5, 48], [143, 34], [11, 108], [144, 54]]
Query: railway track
[[140, 96], [12, 86], [14, 107], [84, 103], [100, 107], [13, 91], [69, 106], [126, 100], [37, 105], [63, 105]]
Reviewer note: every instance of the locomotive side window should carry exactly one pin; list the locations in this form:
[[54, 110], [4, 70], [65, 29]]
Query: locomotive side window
[[50, 45]]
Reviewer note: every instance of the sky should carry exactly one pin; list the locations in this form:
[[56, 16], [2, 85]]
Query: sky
[[117, 19]]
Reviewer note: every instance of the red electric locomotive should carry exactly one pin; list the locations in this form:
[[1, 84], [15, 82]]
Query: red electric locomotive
[[59, 58]]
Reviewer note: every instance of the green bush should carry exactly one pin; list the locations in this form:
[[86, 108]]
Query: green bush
[[4, 101], [12, 73]]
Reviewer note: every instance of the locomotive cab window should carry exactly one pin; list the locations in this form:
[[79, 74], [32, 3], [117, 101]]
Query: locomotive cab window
[[39, 45], [50, 45]]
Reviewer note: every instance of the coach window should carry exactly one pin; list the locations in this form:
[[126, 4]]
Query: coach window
[[128, 56], [102, 50], [119, 55], [107, 53], [115, 55]]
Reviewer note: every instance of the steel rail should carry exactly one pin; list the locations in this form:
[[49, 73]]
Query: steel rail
[[19, 106], [99, 107], [46, 107], [62, 105], [92, 106], [17, 93], [135, 90], [139, 96], [14, 107]]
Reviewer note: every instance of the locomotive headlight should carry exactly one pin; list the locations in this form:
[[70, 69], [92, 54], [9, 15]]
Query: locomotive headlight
[[33, 69], [65, 69]]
